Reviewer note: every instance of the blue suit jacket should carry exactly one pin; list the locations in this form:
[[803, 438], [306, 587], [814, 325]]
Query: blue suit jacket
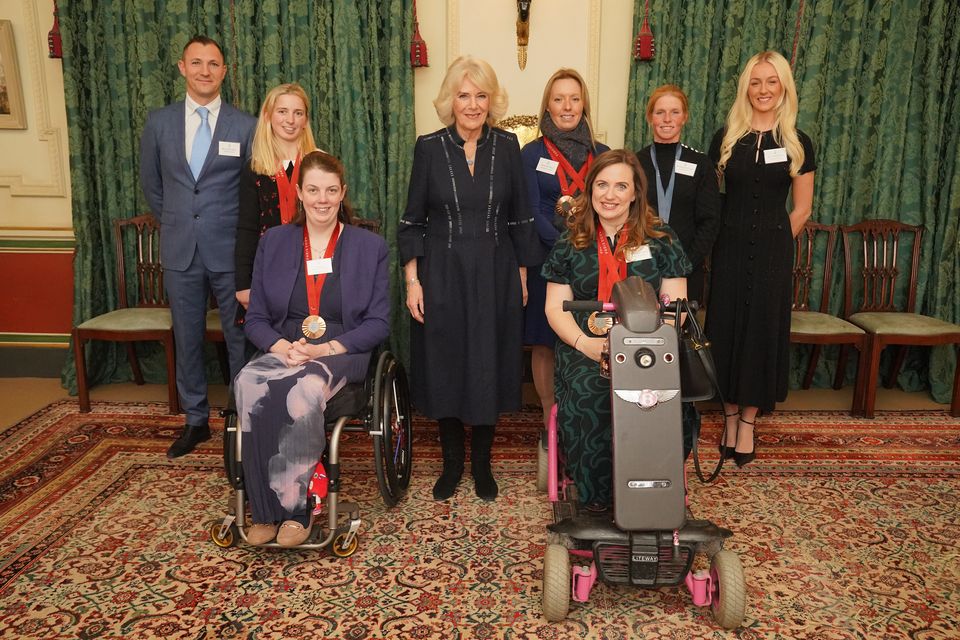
[[364, 303], [194, 213]]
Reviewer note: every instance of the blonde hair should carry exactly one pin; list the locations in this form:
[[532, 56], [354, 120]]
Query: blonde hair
[[641, 221], [567, 74], [480, 73], [785, 128], [266, 155], [666, 90]]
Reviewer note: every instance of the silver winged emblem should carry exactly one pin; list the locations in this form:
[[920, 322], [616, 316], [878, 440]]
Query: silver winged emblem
[[646, 399]]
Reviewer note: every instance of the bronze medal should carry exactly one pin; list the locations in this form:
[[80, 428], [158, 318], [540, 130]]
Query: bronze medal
[[564, 206], [599, 325], [314, 327]]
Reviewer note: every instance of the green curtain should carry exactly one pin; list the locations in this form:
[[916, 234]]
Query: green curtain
[[119, 62], [878, 84]]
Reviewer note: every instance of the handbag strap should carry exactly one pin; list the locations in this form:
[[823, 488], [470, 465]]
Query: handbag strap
[[702, 347]]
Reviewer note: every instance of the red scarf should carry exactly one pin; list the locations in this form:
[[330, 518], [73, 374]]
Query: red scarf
[[287, 190], [613, 269]]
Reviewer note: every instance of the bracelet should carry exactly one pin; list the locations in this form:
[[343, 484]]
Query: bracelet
[[413, 281], [332, 351], [577, 340]]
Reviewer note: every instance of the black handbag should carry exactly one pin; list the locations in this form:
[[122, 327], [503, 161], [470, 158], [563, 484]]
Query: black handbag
[[698, 374]]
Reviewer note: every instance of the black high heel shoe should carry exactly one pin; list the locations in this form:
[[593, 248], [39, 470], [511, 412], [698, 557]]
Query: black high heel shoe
[[743, 459], [726, 452]]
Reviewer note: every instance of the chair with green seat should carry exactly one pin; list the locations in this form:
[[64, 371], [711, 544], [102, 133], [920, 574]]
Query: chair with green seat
[[810, 319], [147, 319], [884, 306]]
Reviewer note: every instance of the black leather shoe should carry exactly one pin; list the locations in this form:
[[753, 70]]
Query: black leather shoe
[[191, 436]]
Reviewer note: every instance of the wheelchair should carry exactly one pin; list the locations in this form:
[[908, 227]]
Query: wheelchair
[[651, 538], [379, 406]]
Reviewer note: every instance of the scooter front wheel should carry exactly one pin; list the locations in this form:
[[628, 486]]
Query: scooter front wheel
[[729, 589], [556, 583]]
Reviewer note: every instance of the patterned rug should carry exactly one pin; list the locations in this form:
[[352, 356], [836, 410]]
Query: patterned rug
[[846, 528]]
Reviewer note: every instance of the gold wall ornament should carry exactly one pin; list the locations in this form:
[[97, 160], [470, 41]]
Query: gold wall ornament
[[523, 31]]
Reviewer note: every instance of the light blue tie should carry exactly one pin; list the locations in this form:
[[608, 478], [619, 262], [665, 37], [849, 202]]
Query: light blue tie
[[201, 143]]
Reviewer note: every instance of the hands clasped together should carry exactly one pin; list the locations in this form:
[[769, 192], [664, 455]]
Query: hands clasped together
[[296, 353]]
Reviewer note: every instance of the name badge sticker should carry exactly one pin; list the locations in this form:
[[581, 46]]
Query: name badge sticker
[[640, 253], [774, 156], [546, 165], [685, 168], [319, 265], [231, 149]]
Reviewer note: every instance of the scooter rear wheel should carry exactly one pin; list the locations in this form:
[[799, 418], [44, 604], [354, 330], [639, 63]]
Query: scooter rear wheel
[[556, 583], [541, 468], [729, 589]]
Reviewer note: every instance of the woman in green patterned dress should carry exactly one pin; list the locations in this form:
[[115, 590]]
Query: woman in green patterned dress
[[613, 234]]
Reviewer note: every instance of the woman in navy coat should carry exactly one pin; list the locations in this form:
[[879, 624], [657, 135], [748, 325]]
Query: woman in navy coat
[[318, 307]]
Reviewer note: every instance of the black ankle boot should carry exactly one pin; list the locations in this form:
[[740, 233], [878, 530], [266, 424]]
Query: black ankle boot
[[481, 440], [451, 443]]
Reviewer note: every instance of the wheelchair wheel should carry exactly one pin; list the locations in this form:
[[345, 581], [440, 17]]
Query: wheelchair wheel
[[341, 551], [392, 417], [226, 541], [729, 590], [556, 583], [542, 460]]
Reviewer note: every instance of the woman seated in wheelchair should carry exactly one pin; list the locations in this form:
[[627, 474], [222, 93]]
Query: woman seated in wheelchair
[[611, 234], [318, 307]]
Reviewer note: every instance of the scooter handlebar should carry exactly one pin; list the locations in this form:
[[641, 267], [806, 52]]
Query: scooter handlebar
[[586, 305]]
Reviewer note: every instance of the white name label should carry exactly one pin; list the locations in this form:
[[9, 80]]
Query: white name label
[[231, 149], [640, 253], [773, 156], [319, 265], [546, 165], [686, 168]]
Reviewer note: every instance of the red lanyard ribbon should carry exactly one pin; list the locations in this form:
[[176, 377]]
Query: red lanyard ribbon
[[287, 189], [564, 169], [612, 269], [316, 286]]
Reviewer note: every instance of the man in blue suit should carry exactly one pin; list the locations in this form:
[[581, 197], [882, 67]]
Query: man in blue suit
[[191, 155]]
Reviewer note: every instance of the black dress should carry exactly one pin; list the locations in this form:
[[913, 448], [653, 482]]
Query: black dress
[[751, 287], [470, 234], [259, 210], [695, 208]]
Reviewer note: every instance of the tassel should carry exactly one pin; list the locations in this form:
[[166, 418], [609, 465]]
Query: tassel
[[54, 43], [644, 48], [418, 48]]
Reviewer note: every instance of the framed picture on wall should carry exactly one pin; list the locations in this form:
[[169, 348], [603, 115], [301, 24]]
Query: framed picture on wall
[[12, 113]]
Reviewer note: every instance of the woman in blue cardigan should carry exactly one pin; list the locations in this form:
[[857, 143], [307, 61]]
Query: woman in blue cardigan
[[318, 307], [555, 165]]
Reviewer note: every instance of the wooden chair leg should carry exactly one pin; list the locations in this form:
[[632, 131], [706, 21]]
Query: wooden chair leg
[[898, 358], [871, 372], [812, 366], [80, 363], [173, 399], [841, 367], [955, 398], [859, 382], [134, 362]]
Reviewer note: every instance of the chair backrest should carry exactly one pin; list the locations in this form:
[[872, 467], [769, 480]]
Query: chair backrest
[[873, 248], [370, 224], [807, 261], [144, 232], [524, 126]]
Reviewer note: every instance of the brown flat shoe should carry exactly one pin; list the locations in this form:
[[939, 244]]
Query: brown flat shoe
[[261, 533], [292, 534]]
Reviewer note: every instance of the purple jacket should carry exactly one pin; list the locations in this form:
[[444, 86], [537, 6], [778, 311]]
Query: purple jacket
[[364, 303]]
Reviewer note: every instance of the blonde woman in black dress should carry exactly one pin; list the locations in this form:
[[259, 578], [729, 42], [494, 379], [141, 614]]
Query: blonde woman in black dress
[[761, 156], [465, 240]]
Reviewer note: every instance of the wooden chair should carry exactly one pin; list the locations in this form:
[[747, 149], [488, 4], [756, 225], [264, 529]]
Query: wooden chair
[[147, 319], [810, 319], [885, 307]]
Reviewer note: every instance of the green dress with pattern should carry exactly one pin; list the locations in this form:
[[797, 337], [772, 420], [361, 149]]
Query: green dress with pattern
[[583, 396]]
